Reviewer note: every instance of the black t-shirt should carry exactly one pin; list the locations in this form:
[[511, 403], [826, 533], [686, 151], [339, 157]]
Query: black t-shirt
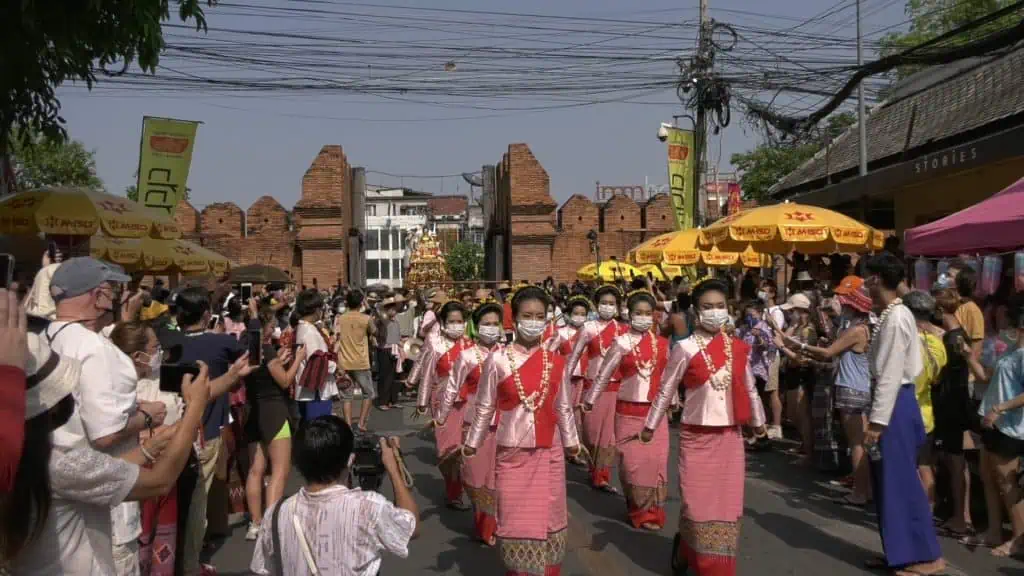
[[260, 385], [218, 351]]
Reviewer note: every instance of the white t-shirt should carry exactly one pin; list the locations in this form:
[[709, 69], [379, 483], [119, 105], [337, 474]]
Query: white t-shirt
[[106, 398], [347, 530], [76, 539]]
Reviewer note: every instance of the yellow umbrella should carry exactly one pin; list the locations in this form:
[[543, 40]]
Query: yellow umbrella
[[154, 255], [779, 228], [683, 248], [81, 212], [610, 270]]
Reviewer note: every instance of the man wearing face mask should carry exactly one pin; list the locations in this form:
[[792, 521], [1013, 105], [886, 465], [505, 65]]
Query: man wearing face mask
[[109, 417]]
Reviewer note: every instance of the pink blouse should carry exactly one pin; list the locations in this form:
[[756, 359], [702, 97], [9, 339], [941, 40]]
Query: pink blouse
[[469, 364], [703, 405], [429, 378], [636, 385], [590, 330], [518, 427]]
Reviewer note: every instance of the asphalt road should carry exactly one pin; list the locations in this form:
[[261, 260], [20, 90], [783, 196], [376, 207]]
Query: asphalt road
[[791, 526]]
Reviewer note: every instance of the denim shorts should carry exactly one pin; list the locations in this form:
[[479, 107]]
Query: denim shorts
[[364, 381]]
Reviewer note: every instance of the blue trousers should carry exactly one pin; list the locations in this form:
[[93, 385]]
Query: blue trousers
[[904, 516], [314, 409]]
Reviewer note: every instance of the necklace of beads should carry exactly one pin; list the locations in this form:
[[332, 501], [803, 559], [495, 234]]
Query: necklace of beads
[[702, 344], [878, 329], [531, 402], [644, 367]]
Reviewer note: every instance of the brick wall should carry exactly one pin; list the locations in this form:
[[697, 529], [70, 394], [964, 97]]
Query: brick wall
[[579, 214], [327, 266], [187, 219], [620, 213], [221, 220], [658, 214], [266, 215]]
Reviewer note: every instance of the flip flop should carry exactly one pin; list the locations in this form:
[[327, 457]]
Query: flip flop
[[876, 563], [974, 541], [848, 500]]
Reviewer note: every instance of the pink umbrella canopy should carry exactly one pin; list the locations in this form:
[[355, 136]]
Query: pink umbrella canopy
[[994, 225]]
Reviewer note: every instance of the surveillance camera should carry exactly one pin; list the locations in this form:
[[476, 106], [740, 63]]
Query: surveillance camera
[[663, 132]]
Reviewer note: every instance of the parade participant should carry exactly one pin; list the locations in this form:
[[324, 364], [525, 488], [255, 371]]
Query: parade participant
[[523, 382], [640, 357], [458, 402], [720, 396], [429, 332], [593, 341], [895, 429], [437, 367]]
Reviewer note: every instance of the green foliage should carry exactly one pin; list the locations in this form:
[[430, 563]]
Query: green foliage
[[40, 161], [767, 164], [465, 261], [45, 44], [932, 18]]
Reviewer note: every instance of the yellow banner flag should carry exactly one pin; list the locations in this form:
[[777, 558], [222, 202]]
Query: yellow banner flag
[[164, 160], [680, 175]]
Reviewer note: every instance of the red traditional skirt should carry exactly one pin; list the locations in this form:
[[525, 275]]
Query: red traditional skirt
[[448, 437], [478, 478], [643, 470], [532, 516], [711, 473], [599, 436], [158, 542]]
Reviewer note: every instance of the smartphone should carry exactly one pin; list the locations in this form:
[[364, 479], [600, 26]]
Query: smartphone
[[214, 321], [6, 270], [171, 376], [246, 292], [51, 252], [255, 347]]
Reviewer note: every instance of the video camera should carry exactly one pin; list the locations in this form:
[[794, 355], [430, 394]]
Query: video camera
[[368, 465]]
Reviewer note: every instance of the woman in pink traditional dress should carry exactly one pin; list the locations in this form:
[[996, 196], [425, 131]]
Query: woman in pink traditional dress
[[640, 356], [577, 308], [523, 382], [437, 368], [430, 333], [460, 395], [593, 341], [720, 396]]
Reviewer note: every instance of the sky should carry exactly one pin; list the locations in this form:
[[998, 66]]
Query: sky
[[260, 142]]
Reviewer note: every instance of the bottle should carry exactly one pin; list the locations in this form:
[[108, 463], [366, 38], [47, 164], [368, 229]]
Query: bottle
[[874, 452]]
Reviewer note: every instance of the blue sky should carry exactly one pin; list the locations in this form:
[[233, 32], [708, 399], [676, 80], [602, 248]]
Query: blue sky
[[256, 143]]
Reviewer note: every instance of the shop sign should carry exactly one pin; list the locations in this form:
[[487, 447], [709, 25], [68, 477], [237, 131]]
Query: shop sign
[[951, 158]]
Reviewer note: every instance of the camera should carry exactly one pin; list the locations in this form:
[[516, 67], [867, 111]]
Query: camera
[[368, 465], [663, 132]]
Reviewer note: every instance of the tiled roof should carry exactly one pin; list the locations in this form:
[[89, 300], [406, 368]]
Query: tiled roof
[[981, 91], [448, 205]]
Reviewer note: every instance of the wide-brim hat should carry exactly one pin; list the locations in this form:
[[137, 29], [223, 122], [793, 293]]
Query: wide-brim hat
[[849, 285], [804, 276], [393, 300], [437, 297], [49, 377]]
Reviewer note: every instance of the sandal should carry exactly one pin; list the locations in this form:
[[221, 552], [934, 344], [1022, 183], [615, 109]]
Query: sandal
[[944, 530], [607, 488], [975, 541], [876, 563], [848, 500]]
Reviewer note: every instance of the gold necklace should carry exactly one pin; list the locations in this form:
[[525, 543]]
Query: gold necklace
[[727, 345], [644, 367], [530, 402]]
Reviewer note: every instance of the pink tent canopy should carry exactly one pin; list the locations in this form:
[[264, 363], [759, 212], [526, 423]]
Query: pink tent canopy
[[995, 225]]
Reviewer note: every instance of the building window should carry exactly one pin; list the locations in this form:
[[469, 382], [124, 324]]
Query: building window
[[396, 268], [372, 269], [404, 236], [385, 270], [385, 239], [395, 233], [371, 209], [371, 240]]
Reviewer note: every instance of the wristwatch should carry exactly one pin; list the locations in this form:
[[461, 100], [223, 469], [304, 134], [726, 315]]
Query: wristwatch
[[147, 417]]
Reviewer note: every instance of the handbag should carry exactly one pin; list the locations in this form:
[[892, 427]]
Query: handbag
[[275, 534]]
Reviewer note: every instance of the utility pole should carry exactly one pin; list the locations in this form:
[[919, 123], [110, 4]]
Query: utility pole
[[861, 116], [700, 126]]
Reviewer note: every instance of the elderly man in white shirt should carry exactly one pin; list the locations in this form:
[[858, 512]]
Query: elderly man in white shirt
[[896, 430], [108, 416], [328, 528]]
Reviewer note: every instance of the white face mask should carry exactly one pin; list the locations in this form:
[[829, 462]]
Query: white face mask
[[154, 364], [577, 320], [762, 296], [642, 323], [489, 334], [455, 331], [713, 320], [606, 311], [341, 309], [531, 329], [277, 333]]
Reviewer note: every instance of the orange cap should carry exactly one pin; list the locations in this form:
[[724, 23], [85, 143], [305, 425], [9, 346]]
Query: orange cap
[[849, 285]]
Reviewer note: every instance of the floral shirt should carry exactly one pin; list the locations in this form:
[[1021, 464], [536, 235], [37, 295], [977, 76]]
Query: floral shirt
[[762, 346]]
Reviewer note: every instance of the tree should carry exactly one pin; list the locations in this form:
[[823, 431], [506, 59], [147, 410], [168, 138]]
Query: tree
[[40, 161], [769, 163], [465, 261], [45, 44], [932, 18]]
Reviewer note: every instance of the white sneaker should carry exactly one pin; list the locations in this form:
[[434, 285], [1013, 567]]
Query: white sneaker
[[253, 532], [775, 432]]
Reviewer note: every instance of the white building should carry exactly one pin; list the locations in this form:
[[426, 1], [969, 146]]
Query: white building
[[391, 215]]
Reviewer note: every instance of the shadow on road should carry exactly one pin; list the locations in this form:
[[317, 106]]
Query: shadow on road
[[798, 535]]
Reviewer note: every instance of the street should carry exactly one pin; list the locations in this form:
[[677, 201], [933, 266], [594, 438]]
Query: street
[[790, 526]]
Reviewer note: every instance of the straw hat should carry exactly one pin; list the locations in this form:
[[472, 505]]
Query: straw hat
[[50, 377], [394, 300], [436, 296]]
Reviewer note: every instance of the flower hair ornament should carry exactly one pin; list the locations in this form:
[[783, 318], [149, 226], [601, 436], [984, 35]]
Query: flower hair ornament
[[580, 300]]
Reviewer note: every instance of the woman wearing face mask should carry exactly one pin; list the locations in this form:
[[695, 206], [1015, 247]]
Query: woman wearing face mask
[[522, 384], [800, 374], [579, 308], [593, 342], [639, 357], [720, 396], [437, 367], [459, 396], [429, 332]]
